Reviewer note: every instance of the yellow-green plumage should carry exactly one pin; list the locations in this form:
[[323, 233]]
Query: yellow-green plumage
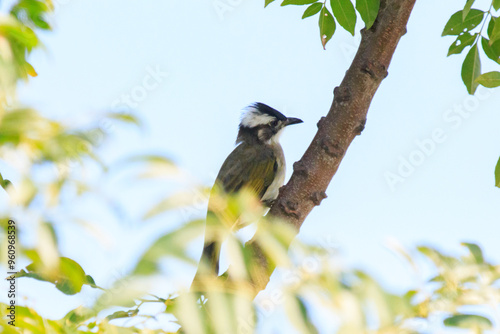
[[248, 167]]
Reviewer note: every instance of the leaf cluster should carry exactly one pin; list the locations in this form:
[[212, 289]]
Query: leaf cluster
[[344, 13], [468, 26]]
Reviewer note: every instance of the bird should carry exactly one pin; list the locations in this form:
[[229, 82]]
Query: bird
[[256, 165]]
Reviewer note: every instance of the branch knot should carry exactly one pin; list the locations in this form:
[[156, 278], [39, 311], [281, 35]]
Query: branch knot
[[290, 209], [360, 127], [342, 95], [332, 148], [321, 121], [300, 168], [318, 197], [375, 71]]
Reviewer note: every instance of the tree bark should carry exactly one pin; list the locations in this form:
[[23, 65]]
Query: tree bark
[[345, 120]]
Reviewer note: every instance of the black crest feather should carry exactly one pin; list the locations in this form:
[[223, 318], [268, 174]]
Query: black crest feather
[[265, 109]]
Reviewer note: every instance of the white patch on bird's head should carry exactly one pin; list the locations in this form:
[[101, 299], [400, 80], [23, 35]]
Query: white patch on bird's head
[[276, 138], [253, 117]]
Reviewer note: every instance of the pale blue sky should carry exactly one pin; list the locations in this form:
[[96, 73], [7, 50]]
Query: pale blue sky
[[100, 50]]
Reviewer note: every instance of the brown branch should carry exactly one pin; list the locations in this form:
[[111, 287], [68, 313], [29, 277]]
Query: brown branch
[[345, 120]]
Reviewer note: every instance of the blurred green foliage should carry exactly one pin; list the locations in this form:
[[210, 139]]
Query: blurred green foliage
[[356, 302]]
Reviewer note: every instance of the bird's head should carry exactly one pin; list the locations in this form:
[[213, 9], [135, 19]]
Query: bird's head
[[263, 124]]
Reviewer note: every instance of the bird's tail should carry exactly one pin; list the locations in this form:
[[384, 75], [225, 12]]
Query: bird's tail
[[208, 266], [210, 256], [209, 262]]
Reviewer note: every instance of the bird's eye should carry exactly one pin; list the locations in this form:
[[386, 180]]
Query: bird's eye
[[274, 123]]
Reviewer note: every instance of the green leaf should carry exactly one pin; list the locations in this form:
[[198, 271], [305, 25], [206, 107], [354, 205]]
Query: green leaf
[[368, 9], [30, 70], [79, 315], [123, 314], [312, 10], [461, 43], [32, 12], [345, 14], [497, 174], [471, 70], [124, 117], [495, 32], [476, 252], [90, 281], [489, 80], [437, 257], [326, 26], [68, 277], [457, 25], [306, 318], [151, 158], [491, 51], [491, 25], [267, 3], [496, 4], [297, 2], [467, 7], [468, 321], [4, 183]]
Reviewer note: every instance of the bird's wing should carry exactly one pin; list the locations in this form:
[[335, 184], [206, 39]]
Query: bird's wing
[[248, 167]]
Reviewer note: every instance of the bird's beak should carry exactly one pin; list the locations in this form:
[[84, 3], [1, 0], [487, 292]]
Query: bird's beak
[[292, 120]]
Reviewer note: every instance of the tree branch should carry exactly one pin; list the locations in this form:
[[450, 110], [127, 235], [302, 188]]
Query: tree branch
[[345, 120]]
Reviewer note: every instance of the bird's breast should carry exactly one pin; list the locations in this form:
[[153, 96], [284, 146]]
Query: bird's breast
[[273, 189]]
